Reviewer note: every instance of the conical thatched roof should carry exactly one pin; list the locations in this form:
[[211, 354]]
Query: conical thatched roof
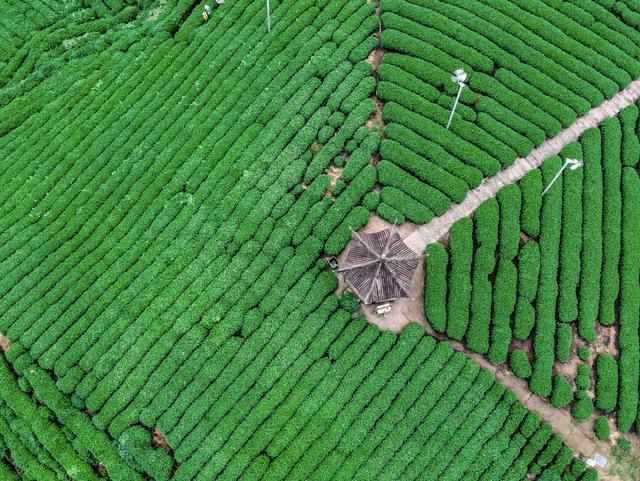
[[379, 266]]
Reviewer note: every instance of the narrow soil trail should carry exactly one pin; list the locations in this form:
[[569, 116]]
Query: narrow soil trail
[[578, 436], [439, 226]]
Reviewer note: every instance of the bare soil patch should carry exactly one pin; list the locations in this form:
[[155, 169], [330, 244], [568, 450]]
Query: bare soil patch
[[5, 343], [100, 468], [376, 121], [334, 173], [159, 440], [524, 238], [606, 341], [376, 56], [524, 345], [569, 369]]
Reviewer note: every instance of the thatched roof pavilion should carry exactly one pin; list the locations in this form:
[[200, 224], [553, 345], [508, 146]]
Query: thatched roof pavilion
[[379, 266]]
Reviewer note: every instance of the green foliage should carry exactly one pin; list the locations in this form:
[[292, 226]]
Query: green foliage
[[390, 214], [584, 353], [544, 340], [504, 300], [591, 262], [134, 445], [606, 383], [528, 270], [564, 340], [624, 445], [519, 362], [630, 141], [435, 294], [549, 476], [349, 302], [583, 378], [167, 208], [612, 199], [601, 428], [629, 342], [458, 299], [371, 201], [486, 235], [524, 319], [531, 186], [325, 134], [571, 240], [562, 393], [582, 408], [432, 199], [411, 209]]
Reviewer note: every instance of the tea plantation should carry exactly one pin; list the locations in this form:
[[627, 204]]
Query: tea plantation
[[549, 268], [171, 189]]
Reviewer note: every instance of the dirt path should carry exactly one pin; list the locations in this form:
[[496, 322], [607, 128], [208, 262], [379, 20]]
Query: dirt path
[[578, 436], [439, 226], [5, 344]]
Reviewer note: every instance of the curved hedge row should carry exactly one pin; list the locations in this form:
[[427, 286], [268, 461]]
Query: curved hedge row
[[533, 69]]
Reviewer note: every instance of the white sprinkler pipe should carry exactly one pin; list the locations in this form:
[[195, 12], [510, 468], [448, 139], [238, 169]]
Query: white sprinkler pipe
[[459, 76], [268, 16], [574, 163]]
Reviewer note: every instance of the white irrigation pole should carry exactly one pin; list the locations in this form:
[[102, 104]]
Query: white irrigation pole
[[459, 77], [268, 16], [574, 163]]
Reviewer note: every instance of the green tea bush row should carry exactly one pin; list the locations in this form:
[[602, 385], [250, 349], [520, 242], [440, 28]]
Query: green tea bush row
[[606, 383], [435, 293], [459, 280], [591, 258], [611, 218], [629, 343], [570, 242]]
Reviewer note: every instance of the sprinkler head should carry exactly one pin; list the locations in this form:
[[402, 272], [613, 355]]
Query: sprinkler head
[[459, 76], [574, 164]]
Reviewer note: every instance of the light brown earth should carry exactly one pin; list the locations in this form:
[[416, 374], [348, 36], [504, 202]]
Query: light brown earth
[[376, 122], [5, 344], [606, 342], [334, 173], [159, 440]]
